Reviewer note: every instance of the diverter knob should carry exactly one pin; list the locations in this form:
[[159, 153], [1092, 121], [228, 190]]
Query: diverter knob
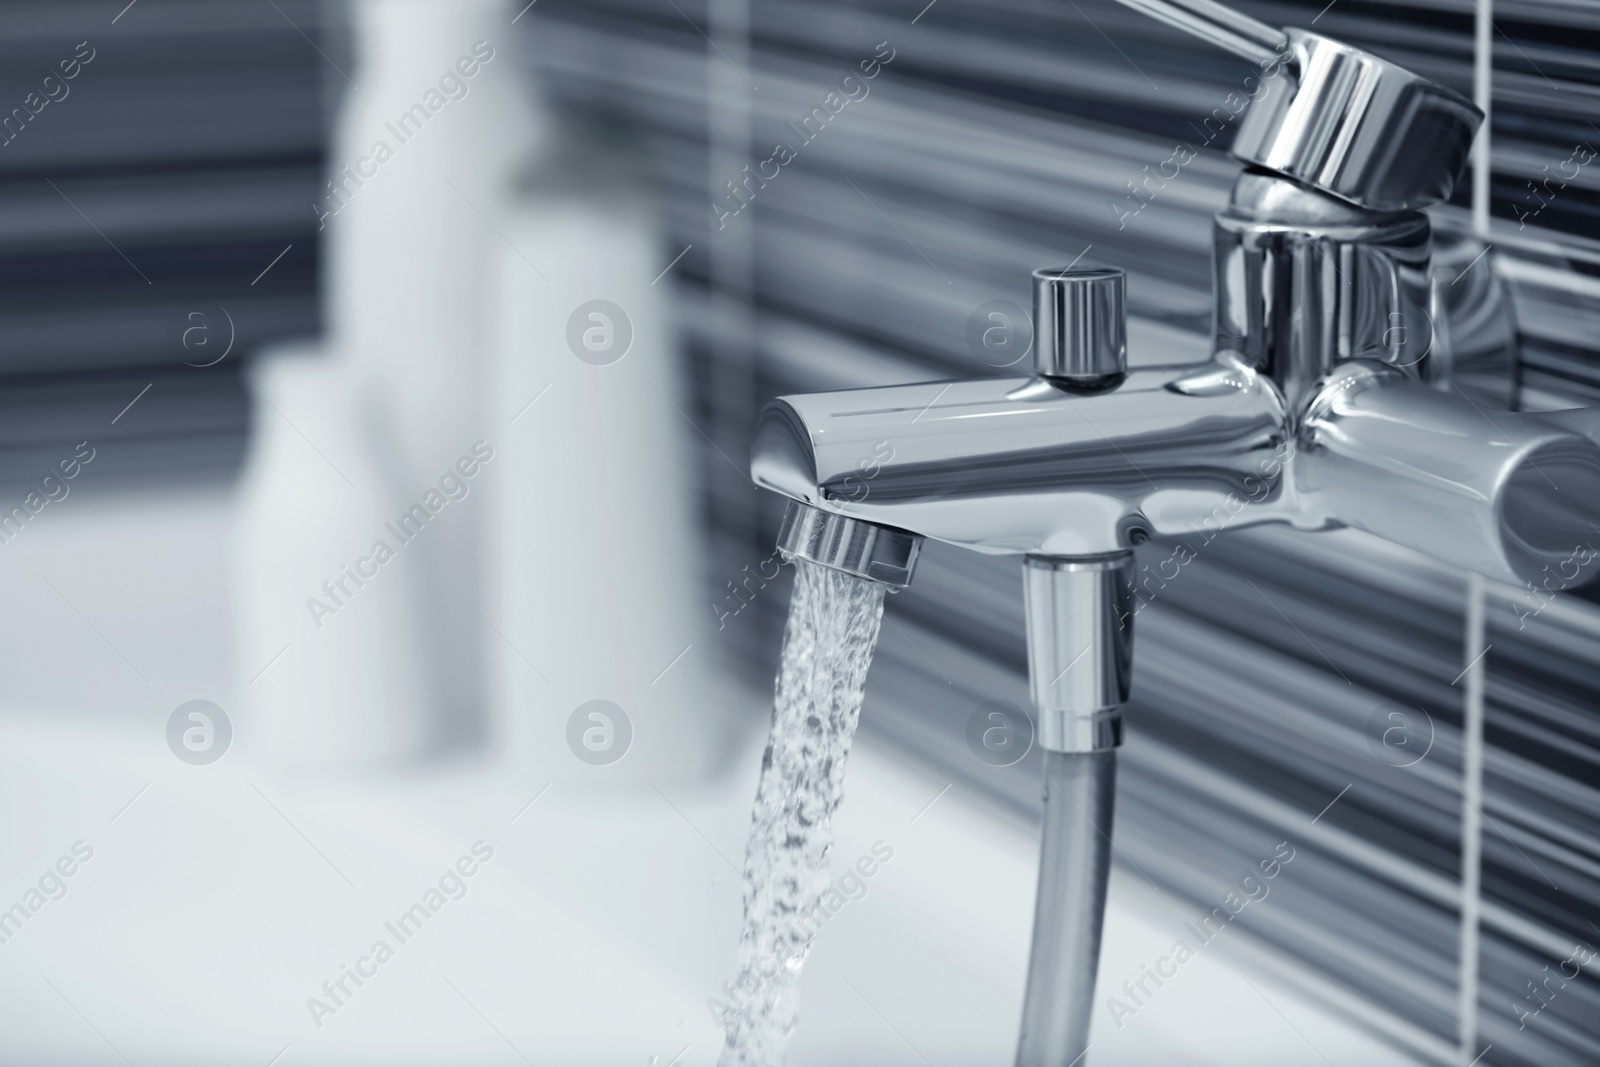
[[1080, 323]]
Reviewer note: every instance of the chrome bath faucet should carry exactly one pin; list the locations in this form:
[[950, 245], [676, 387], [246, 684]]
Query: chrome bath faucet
[[1333, 398]]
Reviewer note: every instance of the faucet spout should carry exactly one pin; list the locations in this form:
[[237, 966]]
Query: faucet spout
[[1019, 465]]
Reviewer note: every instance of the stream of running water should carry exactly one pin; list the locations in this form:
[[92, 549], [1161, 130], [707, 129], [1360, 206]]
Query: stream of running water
[[827, 648]]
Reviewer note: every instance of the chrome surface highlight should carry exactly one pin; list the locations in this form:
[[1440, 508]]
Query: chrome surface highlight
[[856, 547], [1359, 127], [1304, 281], [1080, 791], [1475, 346], [1028, 465], [1079, 614], [1080, 324], [1336, 117], [1505, 494], [1024, 466]]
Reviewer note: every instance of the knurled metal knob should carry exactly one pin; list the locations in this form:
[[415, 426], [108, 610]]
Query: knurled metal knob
[[1080, 323]]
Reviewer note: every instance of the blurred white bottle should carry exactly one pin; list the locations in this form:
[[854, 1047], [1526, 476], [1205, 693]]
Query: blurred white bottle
[[421, 172], [601, 564], [414, 253], [330, 640], [462, 240]]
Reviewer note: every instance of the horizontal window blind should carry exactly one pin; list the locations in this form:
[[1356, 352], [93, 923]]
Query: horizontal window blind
[[141, 200]]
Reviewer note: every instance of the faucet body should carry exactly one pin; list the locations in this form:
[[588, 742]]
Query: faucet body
[[1329, 401], [1326, 403]]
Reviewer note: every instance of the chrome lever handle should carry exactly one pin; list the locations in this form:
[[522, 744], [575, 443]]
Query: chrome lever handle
[[1346, 122]]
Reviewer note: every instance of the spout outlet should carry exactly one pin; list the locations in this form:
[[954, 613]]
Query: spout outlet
[[863, 549]]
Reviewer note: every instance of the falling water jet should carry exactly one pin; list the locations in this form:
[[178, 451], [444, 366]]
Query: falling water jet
[[843, 568]]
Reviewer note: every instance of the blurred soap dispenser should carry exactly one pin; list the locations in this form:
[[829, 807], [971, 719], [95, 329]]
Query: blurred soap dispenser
[[609, 670]]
